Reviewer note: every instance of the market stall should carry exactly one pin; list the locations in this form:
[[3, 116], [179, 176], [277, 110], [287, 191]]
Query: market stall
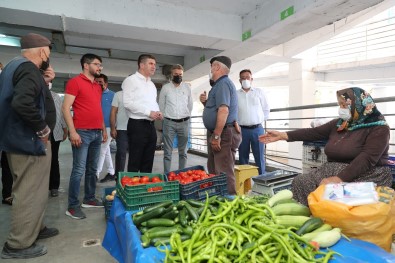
[[122, 241]]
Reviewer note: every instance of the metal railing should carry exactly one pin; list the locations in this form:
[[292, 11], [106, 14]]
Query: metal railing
[[278, 157]]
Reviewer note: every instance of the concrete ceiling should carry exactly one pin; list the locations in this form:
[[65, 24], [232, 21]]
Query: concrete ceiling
[[187, 32]]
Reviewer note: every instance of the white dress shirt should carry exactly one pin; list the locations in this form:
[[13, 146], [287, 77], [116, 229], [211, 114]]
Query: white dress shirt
[[122, 118], [139, 96], [253, 106], [60, 122], [176, 102]]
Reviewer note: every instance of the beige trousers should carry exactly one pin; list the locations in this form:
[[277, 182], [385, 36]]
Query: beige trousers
[[30, 193]]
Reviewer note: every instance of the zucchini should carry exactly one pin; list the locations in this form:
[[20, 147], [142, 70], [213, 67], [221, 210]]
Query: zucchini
[[291, 221], [158, 222], [152, 214], [328, 238], [143, 229], [291, 209], [313, 234], [286, 201], [162, 204], [281, 195], [163, 231], [310, 225], [324, 227]]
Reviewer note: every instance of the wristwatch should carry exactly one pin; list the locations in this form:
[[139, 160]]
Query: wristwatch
[[216, 137]]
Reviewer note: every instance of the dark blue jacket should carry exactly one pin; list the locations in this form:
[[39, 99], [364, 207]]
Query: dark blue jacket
[[16, 136]]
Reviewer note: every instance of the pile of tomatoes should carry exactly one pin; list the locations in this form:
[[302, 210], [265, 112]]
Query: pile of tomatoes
[[189, 176], [138, 180]]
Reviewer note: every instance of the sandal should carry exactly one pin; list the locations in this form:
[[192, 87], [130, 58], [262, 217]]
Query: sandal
[[7, 201]]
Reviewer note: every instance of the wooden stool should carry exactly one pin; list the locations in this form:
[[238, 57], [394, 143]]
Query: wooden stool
[[243, 174]]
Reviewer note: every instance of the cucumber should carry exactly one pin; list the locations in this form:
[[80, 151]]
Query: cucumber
[[152, 214], [182, 216], [171, 215], [143, 229], [310, 225], [145, 241], [328, 238], [162, 204], [163, 231], [281, 195], [195, 203], [291, 209], [158, 222], [291, 221], [191, 212], [188, 230]]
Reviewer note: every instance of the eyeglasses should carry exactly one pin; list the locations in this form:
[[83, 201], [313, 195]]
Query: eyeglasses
[[97, 65]]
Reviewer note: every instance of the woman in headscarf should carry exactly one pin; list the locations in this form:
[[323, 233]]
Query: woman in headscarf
[[357, 147]]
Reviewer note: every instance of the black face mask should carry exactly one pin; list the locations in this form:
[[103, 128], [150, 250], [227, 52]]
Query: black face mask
[[177, 79], [212, 82], [44, 65]]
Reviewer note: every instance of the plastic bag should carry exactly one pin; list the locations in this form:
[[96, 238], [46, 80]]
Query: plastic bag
[[374, 223], [360, 193]]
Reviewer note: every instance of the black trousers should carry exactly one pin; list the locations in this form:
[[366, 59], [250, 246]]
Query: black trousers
[[142, 143], [54, 178], [6, 176]]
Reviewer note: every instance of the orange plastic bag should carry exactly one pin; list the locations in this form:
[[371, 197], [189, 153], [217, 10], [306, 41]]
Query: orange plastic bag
[[374, 223]]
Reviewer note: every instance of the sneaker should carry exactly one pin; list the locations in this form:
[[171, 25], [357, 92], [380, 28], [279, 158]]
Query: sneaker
[[54, 192], [75, 213], [47, 233], [35, 250], [92, 203], [109, 177]]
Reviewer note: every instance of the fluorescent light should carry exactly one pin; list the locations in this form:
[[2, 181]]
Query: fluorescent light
[[9, 41]]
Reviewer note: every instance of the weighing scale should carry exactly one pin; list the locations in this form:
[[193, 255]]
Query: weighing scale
[[272, 182]]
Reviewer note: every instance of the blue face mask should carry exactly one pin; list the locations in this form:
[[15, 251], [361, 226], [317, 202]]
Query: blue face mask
[[344, 113]]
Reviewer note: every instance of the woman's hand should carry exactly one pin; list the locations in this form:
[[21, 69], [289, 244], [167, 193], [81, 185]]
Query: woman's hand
[[273, 136], [331, 180]]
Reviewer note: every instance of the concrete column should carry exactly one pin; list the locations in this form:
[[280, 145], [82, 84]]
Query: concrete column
[[301, 92]]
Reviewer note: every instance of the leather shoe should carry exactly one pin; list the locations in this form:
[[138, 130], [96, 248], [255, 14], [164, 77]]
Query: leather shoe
[[54, 192], [35, 250], [47, 233], [109, 177]]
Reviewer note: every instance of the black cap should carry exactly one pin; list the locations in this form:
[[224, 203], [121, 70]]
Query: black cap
[[223, 59], [32, 40]]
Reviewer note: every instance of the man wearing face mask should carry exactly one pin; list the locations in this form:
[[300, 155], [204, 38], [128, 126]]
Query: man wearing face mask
[[175, 102], [26, 121], [220, 120], [253, 110], [357, 147]]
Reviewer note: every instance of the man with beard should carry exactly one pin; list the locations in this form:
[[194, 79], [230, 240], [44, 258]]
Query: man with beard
[[26, 122], [86, 133]]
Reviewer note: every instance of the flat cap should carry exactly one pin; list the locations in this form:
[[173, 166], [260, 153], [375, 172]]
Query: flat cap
[[32, 40], [223, 59]]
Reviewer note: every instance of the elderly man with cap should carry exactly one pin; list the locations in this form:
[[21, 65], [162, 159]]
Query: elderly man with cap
[[220, 120], [26, 121]]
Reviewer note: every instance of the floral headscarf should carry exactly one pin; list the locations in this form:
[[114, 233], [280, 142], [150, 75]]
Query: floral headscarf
[[363, 110]]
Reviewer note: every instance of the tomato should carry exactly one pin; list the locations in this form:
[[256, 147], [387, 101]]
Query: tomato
[[144, 179], [156, 179], [190, 172], [126, 181], [135, 179]]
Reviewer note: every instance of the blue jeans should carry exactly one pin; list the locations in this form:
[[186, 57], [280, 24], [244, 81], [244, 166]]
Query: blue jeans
[[250, 138], [85, 159], [172, 129], [122, 150]]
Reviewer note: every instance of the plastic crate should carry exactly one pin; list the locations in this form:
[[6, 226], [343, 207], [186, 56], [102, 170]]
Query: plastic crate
[[107, 204], [313, 153], [216, 185], [138, 197]]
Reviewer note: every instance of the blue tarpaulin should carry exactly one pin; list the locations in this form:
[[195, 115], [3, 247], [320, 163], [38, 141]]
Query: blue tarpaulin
[[122, 241]]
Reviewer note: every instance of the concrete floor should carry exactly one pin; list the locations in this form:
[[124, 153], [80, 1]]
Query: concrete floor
[[69, 246]]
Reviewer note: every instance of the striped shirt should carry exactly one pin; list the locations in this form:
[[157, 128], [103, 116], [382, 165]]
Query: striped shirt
[[60, 123]]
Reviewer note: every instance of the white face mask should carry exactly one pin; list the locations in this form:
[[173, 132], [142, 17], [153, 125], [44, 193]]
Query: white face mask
[[210, 75], [344, 113], [246, 84], [50, 85]]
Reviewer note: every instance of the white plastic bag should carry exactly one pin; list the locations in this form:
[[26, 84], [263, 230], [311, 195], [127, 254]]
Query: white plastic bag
[[352, 194]]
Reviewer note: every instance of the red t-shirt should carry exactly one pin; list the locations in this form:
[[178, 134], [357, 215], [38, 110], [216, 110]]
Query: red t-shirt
[[87, 104]]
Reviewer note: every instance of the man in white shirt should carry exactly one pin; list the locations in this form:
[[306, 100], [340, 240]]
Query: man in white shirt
[[139, 100], [119, 123], [175, 102], [253, 110]]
